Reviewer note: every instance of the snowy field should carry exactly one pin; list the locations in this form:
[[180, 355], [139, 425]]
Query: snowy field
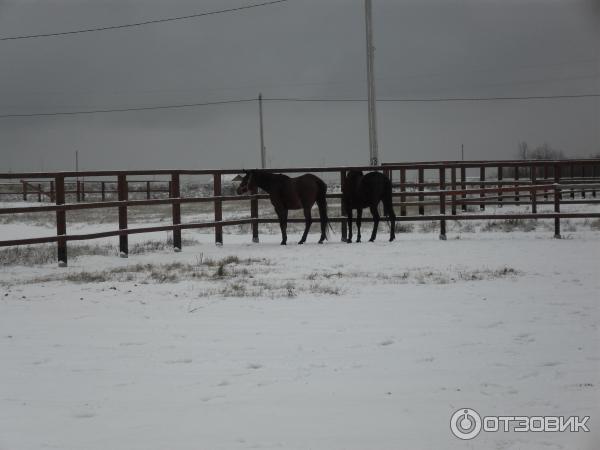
[[335, 346]]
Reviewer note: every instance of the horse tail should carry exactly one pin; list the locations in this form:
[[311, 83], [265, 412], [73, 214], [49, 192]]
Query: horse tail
[[322, 204]]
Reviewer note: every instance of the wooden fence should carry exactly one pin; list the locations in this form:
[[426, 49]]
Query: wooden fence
[[80, 190], [533, 183]]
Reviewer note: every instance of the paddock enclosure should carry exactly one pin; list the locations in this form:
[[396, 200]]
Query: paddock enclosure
[[423, 191]]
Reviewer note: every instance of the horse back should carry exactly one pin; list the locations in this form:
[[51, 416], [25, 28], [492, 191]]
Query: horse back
[[366, 190]]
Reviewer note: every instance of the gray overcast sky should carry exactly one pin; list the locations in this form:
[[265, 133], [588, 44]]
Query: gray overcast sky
[[301, 48]]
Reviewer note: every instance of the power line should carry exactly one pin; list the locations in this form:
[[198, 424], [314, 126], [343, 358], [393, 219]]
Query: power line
[[139, 24], [305, 100], [115, 110], [432, 99]]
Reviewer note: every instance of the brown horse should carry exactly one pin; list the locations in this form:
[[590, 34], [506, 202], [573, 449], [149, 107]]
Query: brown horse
[[360, 191], [290, 193]]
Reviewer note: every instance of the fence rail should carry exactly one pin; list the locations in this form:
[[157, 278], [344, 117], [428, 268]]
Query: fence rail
[[532, 183]]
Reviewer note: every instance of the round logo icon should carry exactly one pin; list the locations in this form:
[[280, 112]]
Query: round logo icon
[[465, 423]]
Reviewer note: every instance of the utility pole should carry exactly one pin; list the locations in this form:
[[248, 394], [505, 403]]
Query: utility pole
[[77, 162], [263, 156], [373, 148], [462, 152]]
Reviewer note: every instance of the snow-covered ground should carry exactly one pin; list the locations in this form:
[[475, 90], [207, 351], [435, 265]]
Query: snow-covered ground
[[335, 346]]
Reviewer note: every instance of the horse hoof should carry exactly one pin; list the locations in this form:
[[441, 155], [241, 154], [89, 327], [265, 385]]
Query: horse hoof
[[320, 242], [301, 242], [372, 240], [348, 241], [283, 243], [392, 238]]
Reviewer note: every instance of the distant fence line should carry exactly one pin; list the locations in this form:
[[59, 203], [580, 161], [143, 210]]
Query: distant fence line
[[531, 182]]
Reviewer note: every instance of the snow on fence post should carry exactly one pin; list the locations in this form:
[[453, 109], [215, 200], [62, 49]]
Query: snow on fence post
[[421, 188], [254, 214], [343, 210], [218, 208], [122, 192], [402, 191], [176, 210], [61, 221], [442, 203]]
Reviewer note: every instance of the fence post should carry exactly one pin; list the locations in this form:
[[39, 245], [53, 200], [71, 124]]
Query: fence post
[[500, 185], [254, 214], [402, 191], [147, 190], [442, 203], [52, 196], [218, 208], [176, 210], [557, 195], [122, 192], [421, 189], [516, 185], [453, 187], [343, 209], [78, 189], [533, 192], [463, 185], [61, 221], [583, 176], [546, 176], [24, 190], [571, 171], [102, 190], [39, 186], [482, 186]]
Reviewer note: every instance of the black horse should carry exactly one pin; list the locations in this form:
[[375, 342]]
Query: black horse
[[360, 191], [290, 193]]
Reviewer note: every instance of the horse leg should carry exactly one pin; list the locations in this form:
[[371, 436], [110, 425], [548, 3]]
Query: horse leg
[[322, 204], [349, 220], [388, 210], [358, 223], [308, 223], [392, 217], [282, 214], [375, 214]]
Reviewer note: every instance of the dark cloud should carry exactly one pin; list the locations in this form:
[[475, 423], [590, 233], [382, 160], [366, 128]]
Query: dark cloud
[[302, 48]]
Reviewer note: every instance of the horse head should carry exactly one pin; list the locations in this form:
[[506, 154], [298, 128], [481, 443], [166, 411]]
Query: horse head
[[247, 183]]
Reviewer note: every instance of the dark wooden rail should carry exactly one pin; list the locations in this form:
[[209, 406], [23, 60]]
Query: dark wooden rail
[[437, 185]]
